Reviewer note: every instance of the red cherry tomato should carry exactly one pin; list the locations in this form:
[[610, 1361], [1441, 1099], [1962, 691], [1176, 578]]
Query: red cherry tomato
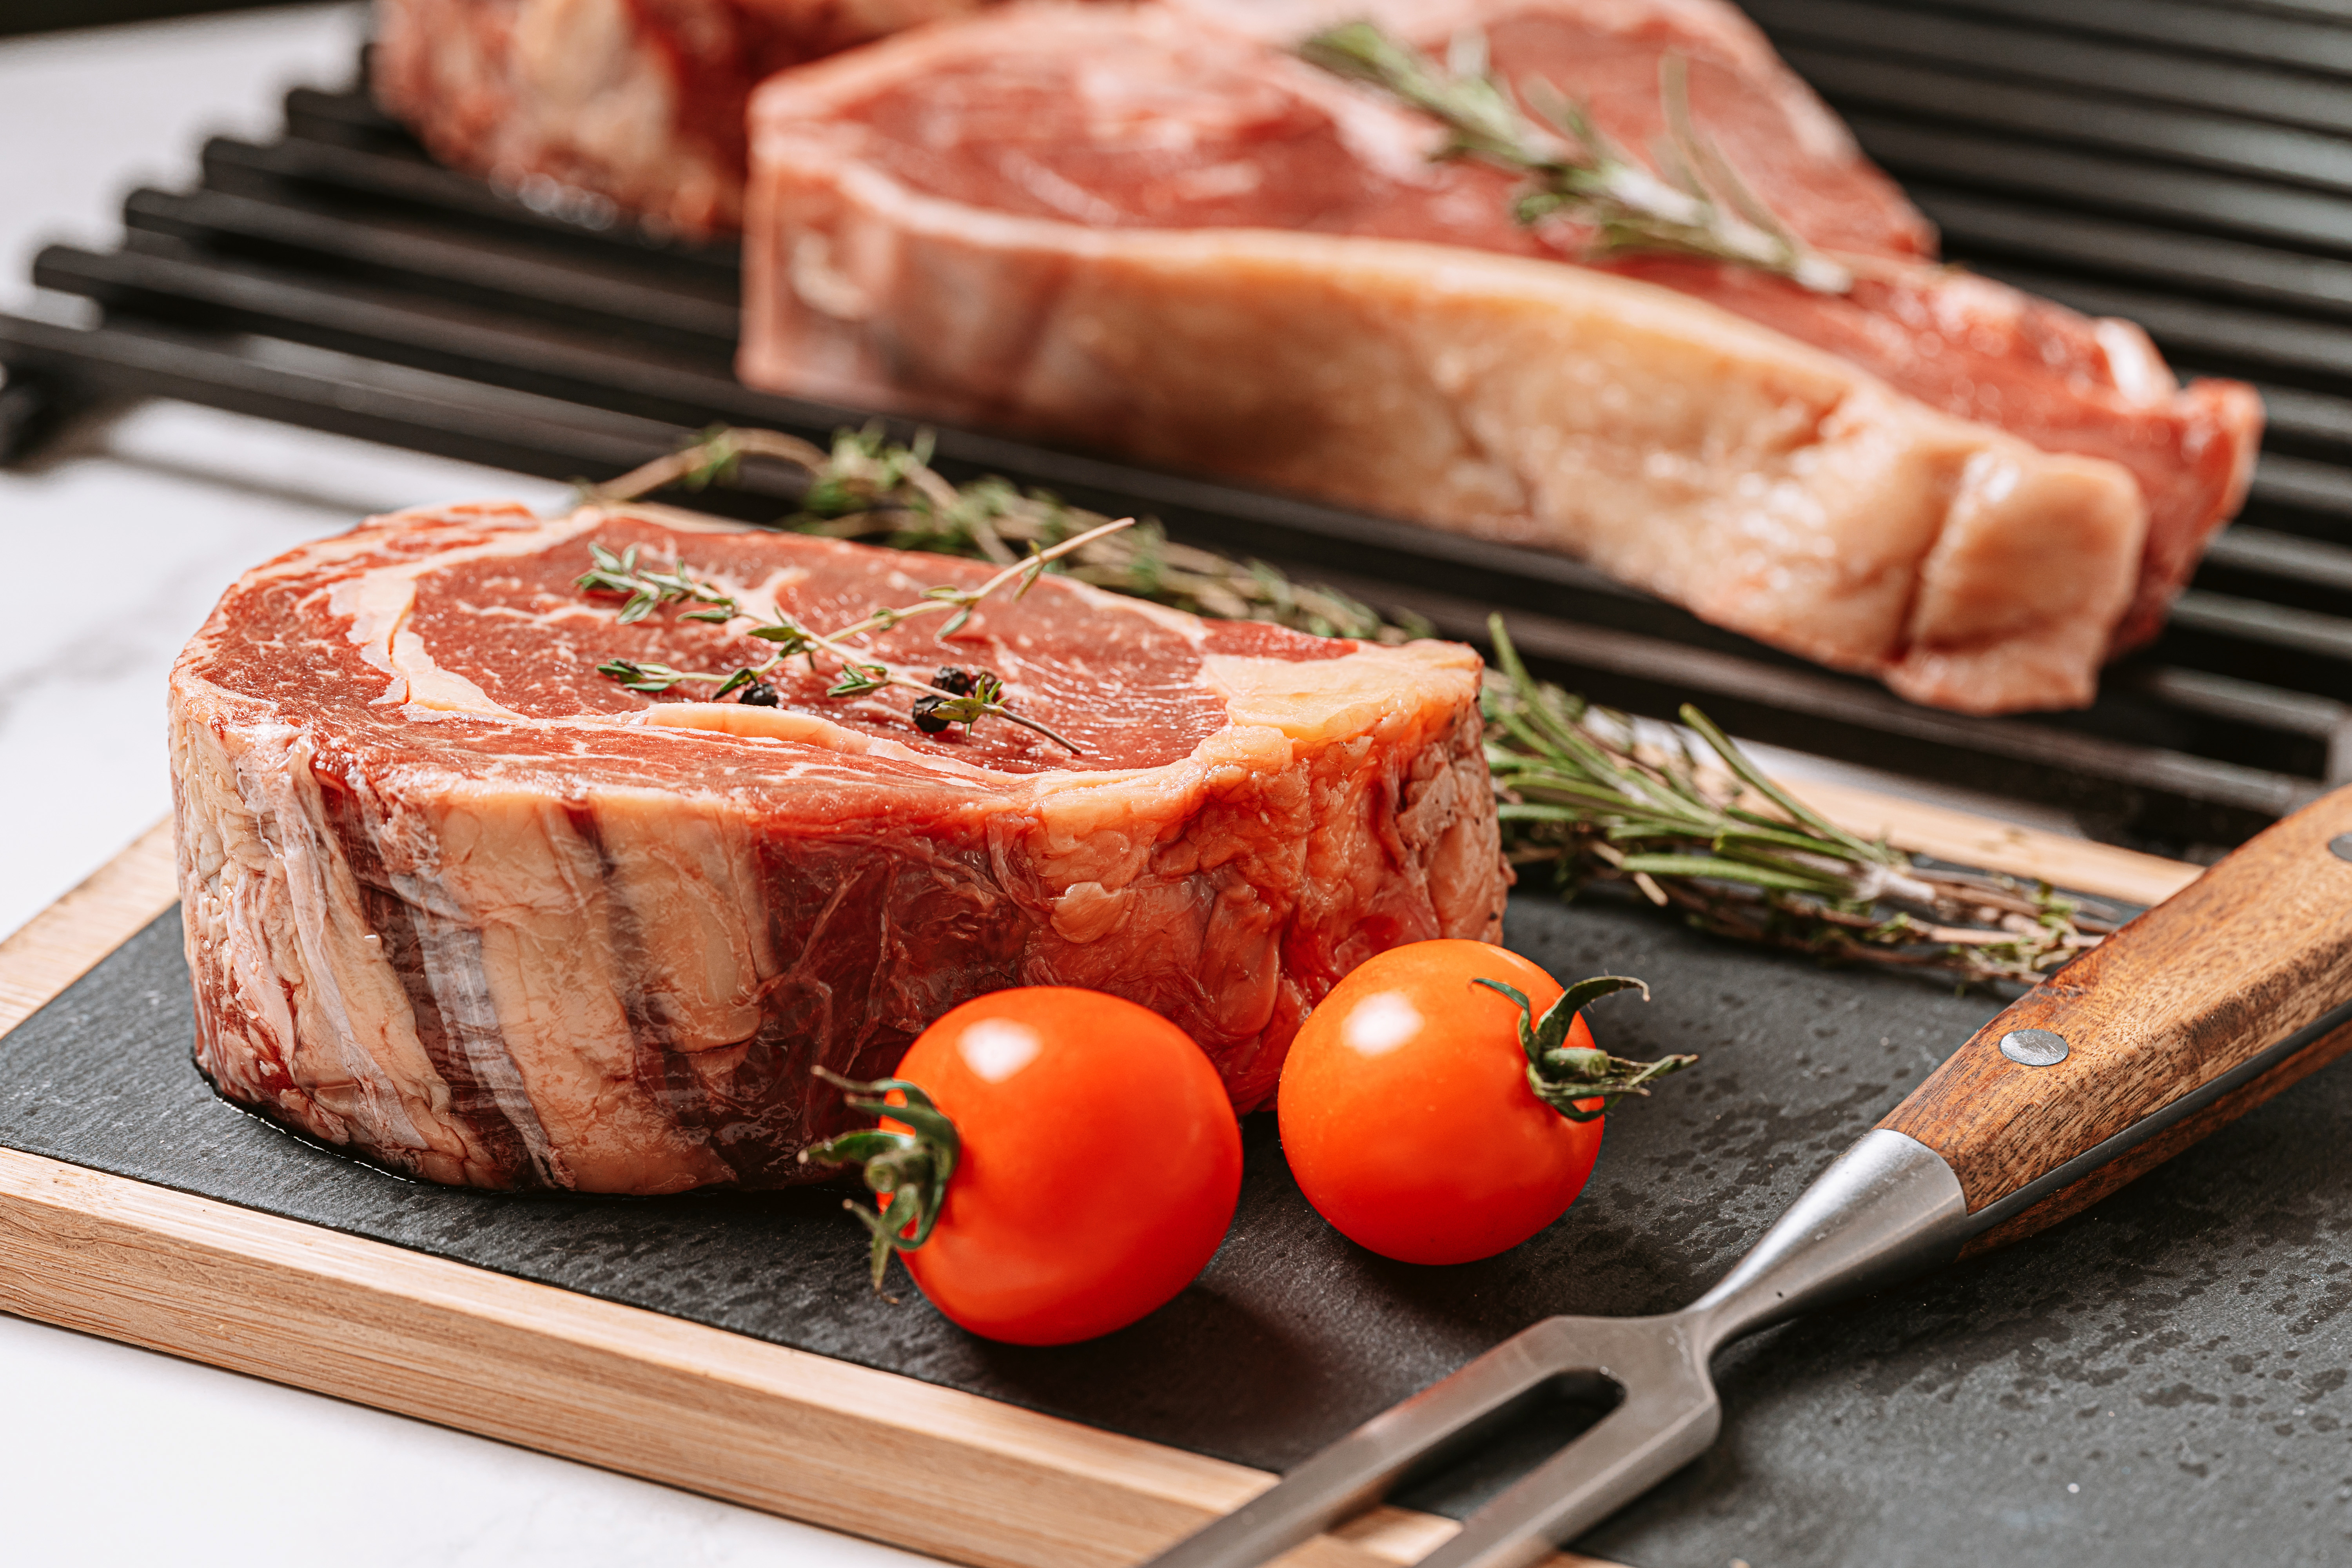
[[1099, 1167], [1406, 1113]]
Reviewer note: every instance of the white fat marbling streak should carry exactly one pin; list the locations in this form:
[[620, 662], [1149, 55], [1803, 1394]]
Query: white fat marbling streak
[[996, 1048], [1380, 1023]]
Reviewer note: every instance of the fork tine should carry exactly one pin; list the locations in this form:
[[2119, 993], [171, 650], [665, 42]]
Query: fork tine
[[1358, 1470], [1652, 1435]]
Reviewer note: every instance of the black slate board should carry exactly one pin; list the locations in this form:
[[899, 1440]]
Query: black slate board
[[2178, 1355]]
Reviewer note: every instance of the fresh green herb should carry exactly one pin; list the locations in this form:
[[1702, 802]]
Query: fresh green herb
[[1701, 208], [647, 588], [867, 488], [649, 679], [1712, 836]]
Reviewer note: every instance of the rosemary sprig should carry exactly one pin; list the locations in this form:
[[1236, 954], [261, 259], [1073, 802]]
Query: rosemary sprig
[[1579, 792], [1713, 837], [1701, 208], [869, 487], [648, 588]]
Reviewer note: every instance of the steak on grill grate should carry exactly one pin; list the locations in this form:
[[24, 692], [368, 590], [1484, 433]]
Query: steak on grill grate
[[640, 101], [457, 902], [1140, 230]]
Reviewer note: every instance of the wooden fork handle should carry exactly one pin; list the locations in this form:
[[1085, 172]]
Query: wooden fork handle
[[2244, 976]]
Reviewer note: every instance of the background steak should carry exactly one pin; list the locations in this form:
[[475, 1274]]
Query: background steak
[[638, 100], [457, 902], [1138, 230]]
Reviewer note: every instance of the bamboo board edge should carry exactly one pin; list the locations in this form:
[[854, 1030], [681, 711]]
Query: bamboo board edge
[[761, 1426], [700, 1408], [703, 1409]]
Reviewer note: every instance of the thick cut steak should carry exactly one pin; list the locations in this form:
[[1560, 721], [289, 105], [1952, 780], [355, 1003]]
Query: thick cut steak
[[639, 102], [1143, 230], [459, 904]]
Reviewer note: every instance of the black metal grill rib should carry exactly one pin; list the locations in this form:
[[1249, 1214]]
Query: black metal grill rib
[[2003, 55], [2189, 166]]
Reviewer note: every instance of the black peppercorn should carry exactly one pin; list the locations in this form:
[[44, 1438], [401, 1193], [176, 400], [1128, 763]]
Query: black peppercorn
[[759, 694], [962, 682]]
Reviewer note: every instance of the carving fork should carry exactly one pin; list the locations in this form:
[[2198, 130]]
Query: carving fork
[[2191, 1015]]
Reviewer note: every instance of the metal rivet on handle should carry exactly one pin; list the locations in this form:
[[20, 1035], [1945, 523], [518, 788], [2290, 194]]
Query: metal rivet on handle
[[2342, 845], [2034, 1047]]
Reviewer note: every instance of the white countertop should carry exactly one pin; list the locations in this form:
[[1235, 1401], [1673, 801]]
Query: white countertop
[[117, 542]]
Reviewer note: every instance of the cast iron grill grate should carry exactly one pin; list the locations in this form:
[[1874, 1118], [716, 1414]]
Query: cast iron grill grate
[[2187, 164]]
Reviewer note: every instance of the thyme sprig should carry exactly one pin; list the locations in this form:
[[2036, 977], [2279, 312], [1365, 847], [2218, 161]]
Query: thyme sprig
[[868, 487], [1581, 792], [1699, 208], [648, 588]]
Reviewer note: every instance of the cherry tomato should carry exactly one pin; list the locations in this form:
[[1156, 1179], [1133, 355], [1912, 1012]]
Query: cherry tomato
[[1100, 1165], [1406, 1112]]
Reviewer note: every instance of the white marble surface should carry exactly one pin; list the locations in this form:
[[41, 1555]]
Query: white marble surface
[[114, 1456], [115, 544]]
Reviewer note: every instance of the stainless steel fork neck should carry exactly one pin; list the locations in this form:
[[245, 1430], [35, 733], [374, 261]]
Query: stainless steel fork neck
[[1887, 1208]]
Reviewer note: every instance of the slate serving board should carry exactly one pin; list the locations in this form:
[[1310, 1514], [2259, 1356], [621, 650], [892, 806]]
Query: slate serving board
[[2161, 1379]]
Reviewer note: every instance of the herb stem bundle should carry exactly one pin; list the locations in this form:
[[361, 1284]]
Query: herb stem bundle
[[1715, 837]]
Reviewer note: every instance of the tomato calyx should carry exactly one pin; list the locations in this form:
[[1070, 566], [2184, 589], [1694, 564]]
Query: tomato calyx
[[909, 1170], [1563, 1076]]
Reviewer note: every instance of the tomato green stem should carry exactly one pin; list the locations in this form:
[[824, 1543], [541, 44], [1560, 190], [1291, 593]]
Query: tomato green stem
[[910, 1170], [1563, 1076]]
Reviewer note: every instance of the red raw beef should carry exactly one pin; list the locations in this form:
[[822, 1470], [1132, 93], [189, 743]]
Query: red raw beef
[[640, 102], [459, 904], [1143, 229]]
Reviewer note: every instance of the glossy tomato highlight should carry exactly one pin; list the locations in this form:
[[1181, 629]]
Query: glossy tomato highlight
[[1406, 1113], [1100, 1162]]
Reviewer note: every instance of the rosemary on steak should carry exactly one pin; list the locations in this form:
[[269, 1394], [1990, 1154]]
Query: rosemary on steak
[[1699, 208], [1581, 794], [956, 697]]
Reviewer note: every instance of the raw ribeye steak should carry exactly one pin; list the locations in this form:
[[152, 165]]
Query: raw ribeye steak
[[1606, 56], [636, 102], [458, 902], [1143, 230]]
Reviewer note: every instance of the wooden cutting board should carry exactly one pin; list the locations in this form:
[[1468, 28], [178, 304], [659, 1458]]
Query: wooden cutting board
[[726, 1345]]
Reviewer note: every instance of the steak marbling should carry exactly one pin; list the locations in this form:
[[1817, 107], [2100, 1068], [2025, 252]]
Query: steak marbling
[[457, 902], [1140, 229]]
